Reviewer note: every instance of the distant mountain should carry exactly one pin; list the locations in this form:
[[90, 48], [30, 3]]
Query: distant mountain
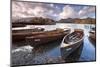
[[69, 20], [78, 20], [34, 20], [85, 21]]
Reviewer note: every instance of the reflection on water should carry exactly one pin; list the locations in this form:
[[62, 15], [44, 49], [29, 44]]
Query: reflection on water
[[49, 49], [88, 53], [50, 53]]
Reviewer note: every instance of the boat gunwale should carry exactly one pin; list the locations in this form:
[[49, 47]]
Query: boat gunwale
[[71, 43]]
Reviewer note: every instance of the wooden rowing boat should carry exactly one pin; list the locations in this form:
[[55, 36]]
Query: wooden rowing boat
[[71, 42], [47, 37], [92, 36], [26, 30], [17, 25], [19, 35]]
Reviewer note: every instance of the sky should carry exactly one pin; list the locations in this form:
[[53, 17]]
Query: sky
[[51, 10]]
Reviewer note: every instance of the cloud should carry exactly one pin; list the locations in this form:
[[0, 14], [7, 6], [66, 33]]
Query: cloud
[[20, 9], [32, 9], [86, 11], [27, 9], [68, 12]]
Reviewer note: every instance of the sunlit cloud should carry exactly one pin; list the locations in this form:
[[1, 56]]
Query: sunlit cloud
[[68, 12]]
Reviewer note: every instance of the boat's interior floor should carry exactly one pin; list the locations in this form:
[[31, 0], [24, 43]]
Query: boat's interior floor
[[73, 37]]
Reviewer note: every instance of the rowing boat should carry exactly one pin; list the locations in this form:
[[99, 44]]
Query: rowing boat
[[71, 42], [47, 37], [19, 34], [92, 36]]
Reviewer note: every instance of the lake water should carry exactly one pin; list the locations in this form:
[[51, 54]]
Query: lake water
[[50, 53]]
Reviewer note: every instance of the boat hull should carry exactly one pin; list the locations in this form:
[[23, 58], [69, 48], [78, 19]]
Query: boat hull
[[66, 51], [92, 38], [46, 37], [42, 40], [28, 30], [19, 35]]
